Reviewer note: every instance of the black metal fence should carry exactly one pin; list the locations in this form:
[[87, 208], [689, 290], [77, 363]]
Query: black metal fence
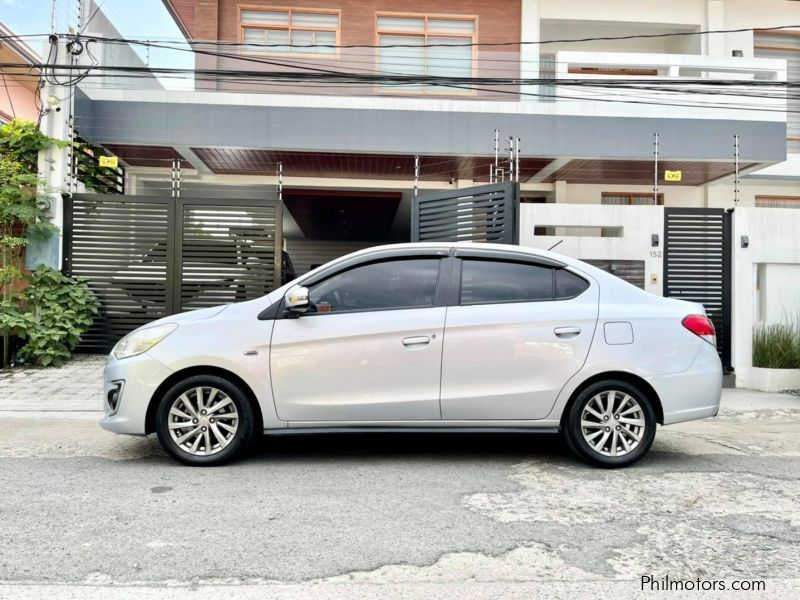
[[486, 213], [149, 257], [697, 265]]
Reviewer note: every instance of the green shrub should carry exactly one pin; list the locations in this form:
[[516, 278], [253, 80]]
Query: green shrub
[[51, 315], [777, 346]]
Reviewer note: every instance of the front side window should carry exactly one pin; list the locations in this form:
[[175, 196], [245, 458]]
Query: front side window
[[290, 31], [376, 286], [427, 46]]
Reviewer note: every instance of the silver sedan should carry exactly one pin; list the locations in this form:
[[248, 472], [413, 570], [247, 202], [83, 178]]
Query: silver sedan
[[422, 337]]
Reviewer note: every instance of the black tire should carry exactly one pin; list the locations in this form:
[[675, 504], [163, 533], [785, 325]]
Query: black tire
[[574, 438], [236, 445]]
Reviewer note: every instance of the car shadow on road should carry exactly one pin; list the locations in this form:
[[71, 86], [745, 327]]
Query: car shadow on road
[[447, 446]]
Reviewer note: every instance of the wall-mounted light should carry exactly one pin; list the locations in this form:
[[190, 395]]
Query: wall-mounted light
[[745, 241], [654, 240], [52, 100], [737, 54]]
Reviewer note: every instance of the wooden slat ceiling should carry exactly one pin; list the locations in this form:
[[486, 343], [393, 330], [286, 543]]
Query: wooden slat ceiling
[[633, 172], [245, 161], [147, 156], [239, 161]]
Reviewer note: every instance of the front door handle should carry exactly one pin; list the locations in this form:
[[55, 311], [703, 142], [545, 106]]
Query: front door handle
[[416, 341], [567, 332]]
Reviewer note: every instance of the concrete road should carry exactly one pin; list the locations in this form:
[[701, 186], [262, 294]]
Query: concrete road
[[86, 514]]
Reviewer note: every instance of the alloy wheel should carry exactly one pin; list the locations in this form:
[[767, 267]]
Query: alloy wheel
[[203, 421], [613, 423]]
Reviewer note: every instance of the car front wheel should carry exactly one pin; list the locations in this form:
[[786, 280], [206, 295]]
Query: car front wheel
[[205, 420], [611, 424]]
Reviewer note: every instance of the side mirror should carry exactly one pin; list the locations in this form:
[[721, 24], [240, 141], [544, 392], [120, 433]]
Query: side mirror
[[296, 300]]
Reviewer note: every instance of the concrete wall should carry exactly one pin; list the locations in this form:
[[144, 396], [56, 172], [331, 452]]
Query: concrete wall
[[774, 248], [638, 223]]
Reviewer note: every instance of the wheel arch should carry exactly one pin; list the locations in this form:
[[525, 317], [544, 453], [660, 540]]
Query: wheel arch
[[636, 381], [152, 407]]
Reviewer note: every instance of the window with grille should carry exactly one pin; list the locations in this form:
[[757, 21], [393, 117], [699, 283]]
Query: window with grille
[[289, 31], [427, 46], [630, 198], [784, 44], [778, 201]]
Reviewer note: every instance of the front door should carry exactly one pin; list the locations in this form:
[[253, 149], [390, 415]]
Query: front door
[[517, 332], [369, 349]]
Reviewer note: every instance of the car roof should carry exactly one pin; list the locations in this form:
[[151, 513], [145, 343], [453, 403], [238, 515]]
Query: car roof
[[476, 247]]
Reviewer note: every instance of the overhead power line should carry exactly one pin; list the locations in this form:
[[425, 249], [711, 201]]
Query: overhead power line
[[491, 44]]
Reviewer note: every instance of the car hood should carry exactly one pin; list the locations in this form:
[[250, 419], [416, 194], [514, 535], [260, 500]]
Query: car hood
[[192, 315]]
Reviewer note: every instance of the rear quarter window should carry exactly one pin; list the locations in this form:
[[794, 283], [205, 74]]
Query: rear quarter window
[[569, 285]]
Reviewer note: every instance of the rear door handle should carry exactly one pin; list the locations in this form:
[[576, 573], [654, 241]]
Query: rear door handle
[[567, 332], [416, 341]]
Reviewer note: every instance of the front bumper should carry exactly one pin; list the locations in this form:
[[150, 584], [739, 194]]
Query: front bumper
[[139, 377]]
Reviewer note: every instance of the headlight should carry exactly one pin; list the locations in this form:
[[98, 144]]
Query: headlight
[[142, 340]]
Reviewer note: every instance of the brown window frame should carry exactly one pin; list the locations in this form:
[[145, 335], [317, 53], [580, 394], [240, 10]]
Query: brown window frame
[[291, 10], [473, 38], [790, 200], [630, 195]]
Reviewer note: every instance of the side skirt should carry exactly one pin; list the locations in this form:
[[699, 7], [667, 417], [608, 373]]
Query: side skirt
[[379, 429]]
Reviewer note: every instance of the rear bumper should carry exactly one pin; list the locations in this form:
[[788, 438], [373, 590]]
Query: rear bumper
[[694, 393], [140, 377]]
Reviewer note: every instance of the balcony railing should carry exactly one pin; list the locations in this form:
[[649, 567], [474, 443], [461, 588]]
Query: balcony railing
[[677, 80]]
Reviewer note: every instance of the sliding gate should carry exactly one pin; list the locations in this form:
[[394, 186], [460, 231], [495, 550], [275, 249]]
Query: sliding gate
[[149, 257], [486, 213], [697, 265]]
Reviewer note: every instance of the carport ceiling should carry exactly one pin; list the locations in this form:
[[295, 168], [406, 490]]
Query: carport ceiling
[[241, 161], [640, 172], [343, 215]]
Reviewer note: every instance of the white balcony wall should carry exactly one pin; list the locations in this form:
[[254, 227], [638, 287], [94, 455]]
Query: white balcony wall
[[681, 100]]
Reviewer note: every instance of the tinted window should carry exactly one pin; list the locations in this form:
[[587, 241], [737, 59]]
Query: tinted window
[[484, 281], [569, 285], [388, 284]]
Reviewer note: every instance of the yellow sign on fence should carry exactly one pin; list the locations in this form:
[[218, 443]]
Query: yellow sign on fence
[[672, 175], [112, 162]]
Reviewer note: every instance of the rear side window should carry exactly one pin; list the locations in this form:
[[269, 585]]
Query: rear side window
[[490, 281], [569, 285]]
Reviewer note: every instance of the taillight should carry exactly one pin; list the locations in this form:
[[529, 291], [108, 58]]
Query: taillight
[[701, 326]]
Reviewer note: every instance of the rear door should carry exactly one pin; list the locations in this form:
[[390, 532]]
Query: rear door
[[516, 332]]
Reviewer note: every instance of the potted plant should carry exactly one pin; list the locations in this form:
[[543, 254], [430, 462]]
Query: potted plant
[[776, 357]]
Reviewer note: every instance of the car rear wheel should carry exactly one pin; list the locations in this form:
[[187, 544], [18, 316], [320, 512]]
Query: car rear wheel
[[205, 420], [611, 424]]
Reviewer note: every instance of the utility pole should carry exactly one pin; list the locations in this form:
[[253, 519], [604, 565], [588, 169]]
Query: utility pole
[[56, 165]]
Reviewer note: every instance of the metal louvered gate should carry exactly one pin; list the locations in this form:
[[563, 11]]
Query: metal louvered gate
[[486, 213], [150, 257], [697, 265]]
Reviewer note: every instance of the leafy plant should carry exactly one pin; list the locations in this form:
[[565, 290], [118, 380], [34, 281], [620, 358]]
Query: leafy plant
[[58, 311], [777, 346], [23, 214]]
